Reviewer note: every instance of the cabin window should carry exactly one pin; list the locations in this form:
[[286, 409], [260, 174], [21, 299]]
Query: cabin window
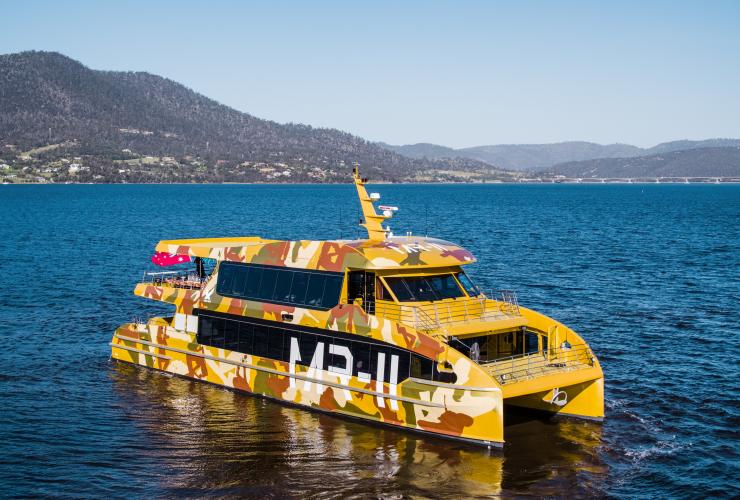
[[381, 292], [262, 338], [424, 288], [337, 359], [445, 286], [361, 355], [531, 342], [246, 337], [275, 344], [314, 289], [467, 284], [217, 334], [282, 287], [298, 289], [386, 352], [332, 289], [267, 285], [421, 367], [253, 282], [307, 344], [231, 335]]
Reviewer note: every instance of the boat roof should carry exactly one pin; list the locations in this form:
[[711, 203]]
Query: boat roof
[[395, 252]]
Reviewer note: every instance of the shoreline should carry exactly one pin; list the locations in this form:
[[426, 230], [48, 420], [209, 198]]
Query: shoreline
[[589, 182]]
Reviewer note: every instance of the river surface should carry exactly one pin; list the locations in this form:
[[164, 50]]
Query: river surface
[[649, 275]]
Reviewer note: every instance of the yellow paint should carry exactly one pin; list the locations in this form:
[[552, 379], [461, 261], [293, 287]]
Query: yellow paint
[[564, 380]]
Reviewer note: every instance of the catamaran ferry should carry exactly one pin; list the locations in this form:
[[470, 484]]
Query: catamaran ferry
[[388, 329]]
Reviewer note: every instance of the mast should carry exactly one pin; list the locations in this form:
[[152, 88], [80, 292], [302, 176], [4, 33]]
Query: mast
[[373, 221]]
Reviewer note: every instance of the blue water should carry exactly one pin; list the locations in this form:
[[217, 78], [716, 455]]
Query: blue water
[[648, 274]]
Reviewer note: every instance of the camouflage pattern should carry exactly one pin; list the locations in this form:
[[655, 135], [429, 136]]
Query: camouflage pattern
[[405, 252], [471, 409]]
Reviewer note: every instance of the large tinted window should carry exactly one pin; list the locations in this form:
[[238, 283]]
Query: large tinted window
[[332, 289], [267, 285], [253, 282], [298, 288], [282, 287], [231, 335], [312, 289], [239, 281], [262, 338], [425, 288], [315, 290]]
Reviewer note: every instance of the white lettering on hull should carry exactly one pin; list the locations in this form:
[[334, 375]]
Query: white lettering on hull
[[345, 372], [379, 378]]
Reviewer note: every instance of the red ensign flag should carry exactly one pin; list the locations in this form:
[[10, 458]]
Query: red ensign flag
[[169, 259]]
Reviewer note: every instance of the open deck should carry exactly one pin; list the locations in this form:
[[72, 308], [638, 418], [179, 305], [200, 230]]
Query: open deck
[[454, 316], [537, 364]]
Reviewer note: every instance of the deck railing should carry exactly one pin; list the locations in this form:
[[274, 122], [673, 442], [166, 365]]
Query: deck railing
[[186, 278], [528, 366], [436, 316]]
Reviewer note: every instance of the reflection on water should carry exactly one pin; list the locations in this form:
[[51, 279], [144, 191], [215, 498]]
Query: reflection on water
[[214, 441]]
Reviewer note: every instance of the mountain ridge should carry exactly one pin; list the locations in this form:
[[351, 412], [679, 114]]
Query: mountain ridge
[[539, 157], [61, 109], [713, 161]]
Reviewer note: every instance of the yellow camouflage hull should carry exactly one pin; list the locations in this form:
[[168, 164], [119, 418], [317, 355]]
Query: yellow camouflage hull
[[471, 414]]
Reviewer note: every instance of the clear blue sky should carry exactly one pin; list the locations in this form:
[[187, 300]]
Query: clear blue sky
[[453, 73]]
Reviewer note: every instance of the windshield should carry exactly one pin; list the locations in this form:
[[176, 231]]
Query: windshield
[[468, 285], [425, 288]]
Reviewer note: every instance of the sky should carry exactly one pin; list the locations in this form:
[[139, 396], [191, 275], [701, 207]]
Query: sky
[[453, 73]]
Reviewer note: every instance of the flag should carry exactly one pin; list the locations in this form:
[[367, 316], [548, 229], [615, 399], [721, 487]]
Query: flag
[[169, 259]]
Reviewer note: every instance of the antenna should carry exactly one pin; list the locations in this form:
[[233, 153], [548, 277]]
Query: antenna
[[371, 220]]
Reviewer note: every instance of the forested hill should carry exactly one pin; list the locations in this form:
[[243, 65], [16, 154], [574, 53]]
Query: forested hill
[[698, 162], [535, 157], [134, 126]]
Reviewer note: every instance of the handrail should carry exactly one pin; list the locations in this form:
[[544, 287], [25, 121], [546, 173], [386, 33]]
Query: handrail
[[531, 365], [186, 278], [436, 315]]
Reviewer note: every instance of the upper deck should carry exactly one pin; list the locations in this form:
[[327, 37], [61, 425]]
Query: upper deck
[[405, 252]]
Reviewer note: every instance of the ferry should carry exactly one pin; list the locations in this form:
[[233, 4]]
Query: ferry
[[386, 329]]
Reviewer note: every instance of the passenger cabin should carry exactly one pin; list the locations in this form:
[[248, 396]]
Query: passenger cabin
[[415, 281]]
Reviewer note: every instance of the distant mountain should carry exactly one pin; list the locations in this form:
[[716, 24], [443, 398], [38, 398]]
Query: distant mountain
[[667, 147], [543, 156], [422, 150], [54, 108], [696, 162], [531, 156], [519, 156]]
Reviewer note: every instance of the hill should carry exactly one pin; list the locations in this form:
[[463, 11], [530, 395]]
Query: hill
[[696, 162], [66, 122], [422, 150], [667, 147], [531, 156], [542, 156], [519, 156]]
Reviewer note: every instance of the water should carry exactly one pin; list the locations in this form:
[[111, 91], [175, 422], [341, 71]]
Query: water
[[647, 274]]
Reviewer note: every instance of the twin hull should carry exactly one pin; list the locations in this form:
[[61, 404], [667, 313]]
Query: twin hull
[[322, 378]]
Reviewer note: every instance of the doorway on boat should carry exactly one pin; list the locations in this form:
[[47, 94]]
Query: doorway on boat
[[361, 288], [492, 347]]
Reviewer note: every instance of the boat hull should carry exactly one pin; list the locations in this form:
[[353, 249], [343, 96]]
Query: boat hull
[[468, 414]]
